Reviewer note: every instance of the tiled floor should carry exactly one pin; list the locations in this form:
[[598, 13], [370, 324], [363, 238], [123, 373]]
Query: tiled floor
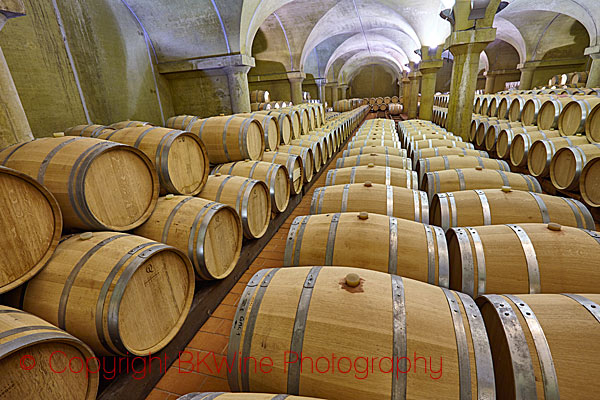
[[214, 334]]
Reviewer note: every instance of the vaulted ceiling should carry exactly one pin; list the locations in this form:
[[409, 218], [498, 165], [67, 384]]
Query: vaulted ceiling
[[334, 39]]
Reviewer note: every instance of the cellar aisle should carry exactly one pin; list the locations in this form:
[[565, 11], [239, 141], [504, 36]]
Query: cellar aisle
[[214, 334]]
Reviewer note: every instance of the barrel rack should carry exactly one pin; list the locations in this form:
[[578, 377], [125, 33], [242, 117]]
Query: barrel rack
[[207, 297]]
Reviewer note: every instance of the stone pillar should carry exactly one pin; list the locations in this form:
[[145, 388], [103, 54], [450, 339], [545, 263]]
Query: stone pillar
[[239, 92], [405, 92], [428, 68], [526, 76], [593, 80], [466, 46], [14, 127], [344, 94], [320, 82], [334, 92], [296, 78], [490, 82], [413, 92]]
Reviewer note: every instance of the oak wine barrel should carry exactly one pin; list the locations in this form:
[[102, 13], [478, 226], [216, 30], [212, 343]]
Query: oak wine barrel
[[241, 396], [425, 144], [592, 125], [179, 157], [262, 106], [392, 201], [382, 160], [294, 166], [129, 124], [180, 122], [497, 206], [395, 245], [374, 142], [491, 136], [284, 124], [32, 355], [506, 136], [567, 164], [446, 151], [543, 344], [88, 130], [392, 151], [230, 138], [99, 185], [589, 183], [550, 111], [119, 293], [30, 227], [522, 142], [307, 156], [573, 117], [275, 176], [260, 96], [210, 233], [524, 258], [270, 128], [541, 152], [375, 174], [376, 317], [442, 163], [250, 198], [319, 157], [453, 180]]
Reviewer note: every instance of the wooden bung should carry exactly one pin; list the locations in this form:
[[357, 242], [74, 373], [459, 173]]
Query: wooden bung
[[119, 293], [392, 201], [497, 206], [210, 233], [179, 157], [379, 319], [249, 197], [99, 185], [31, 353], [542, 344], [315, 245]]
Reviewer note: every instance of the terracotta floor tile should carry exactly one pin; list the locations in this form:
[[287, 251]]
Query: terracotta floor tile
[[212, 384], [209, 342], [213, 325], [157, 395], [179, 382], [224, 311]]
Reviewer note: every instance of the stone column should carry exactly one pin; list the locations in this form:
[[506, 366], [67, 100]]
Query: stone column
[[490, 82], [429, 67], [466, 46], [593, 80], [413, 94], [320, 82], [296, 78], [239, 92], [14, 127], [405, 92], [344, 94], [334, 92], [526, 76]]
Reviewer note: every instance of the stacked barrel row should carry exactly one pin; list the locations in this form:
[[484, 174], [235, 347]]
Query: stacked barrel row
[[553, 136], [440, 109], [142, 222], [347, 105], [383, 271], [574, 79], [260, 100]]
